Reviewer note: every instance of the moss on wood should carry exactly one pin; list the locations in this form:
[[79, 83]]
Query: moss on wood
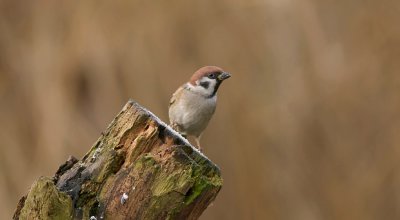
[[138, 169], [45, 201]]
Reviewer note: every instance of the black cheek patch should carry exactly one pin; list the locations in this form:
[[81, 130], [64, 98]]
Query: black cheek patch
[[205, 84]]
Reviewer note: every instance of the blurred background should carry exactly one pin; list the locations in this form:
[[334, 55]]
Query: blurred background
[[307, 127]]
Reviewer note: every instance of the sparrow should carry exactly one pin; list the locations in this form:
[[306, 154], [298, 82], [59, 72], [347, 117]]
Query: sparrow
[[193, 104]]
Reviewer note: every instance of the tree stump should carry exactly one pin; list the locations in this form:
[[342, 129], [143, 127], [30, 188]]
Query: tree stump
[[138, 169]]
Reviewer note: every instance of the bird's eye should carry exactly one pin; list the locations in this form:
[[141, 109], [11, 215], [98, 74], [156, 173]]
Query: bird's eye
[[212, 75]]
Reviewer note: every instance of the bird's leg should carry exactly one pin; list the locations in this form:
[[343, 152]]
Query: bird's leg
[[197, 139], [176, 127]]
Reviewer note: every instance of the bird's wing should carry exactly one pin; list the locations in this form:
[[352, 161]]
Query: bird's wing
[[175, 96]]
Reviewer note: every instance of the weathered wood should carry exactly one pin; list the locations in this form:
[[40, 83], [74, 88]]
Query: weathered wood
[[138, 169]]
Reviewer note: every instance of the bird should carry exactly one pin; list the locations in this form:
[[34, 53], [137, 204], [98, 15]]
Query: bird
[[193, 104]]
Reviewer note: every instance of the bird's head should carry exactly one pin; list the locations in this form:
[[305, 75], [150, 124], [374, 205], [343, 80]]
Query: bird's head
[[207, 80]]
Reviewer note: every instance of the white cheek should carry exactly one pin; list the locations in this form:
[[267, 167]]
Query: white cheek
[[205, 91]]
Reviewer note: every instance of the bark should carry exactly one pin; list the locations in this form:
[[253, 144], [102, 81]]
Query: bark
[[138, 169]]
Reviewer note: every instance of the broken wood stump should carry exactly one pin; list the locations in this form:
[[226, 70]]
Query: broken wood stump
[[138, 169]]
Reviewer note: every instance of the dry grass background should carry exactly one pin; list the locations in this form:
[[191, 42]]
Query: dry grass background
[[307, 127]]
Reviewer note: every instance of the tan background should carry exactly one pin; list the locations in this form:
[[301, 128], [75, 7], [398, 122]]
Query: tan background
[[307, 127]]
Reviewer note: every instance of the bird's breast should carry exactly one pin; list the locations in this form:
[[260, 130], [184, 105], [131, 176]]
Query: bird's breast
[[193, 112]]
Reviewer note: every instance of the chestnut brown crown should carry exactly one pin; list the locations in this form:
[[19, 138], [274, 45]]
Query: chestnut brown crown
[[220, 74]]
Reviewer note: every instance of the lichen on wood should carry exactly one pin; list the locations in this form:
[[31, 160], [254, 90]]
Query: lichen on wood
[[45, 201], [138, 169]]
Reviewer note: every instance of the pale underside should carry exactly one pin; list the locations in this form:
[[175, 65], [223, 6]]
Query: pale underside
[[190, 111]]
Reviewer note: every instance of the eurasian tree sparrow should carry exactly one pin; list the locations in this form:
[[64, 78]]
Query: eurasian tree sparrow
[[193, 104]]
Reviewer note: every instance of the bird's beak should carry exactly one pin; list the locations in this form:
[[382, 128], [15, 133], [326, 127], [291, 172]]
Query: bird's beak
[[224, 75]]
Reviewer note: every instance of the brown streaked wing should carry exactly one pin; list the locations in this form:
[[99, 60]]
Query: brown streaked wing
[[176, 94]]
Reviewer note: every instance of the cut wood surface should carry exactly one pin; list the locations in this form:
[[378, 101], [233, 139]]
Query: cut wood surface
[[138, 169]]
